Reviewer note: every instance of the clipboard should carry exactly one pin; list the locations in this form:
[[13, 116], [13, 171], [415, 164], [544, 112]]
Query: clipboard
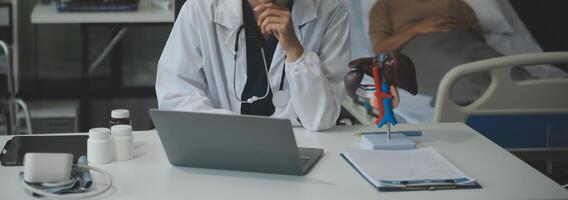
[[417, 185]]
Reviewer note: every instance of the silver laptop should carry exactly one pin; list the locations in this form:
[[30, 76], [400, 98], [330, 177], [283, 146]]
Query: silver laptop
[[232, 142]]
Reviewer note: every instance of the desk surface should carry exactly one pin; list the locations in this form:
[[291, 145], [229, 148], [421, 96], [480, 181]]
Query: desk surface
[[47, 14], [150, 176]]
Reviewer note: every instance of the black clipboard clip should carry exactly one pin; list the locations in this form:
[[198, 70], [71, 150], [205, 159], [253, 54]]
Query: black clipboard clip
[[430, 186]]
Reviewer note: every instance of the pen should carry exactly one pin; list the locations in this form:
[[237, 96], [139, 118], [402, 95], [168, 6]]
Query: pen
[[427, 182], [407, 133]]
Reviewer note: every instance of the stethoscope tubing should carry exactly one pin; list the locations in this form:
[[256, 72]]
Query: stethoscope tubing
[[263, 53]]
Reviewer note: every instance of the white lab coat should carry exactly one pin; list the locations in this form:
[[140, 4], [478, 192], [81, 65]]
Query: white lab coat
[[195, 71]]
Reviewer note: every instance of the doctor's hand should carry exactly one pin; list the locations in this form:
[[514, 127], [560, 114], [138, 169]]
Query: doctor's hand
[[277, 20]]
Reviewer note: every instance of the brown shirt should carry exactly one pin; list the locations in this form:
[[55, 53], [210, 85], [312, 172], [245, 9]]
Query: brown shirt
[[388, 17]]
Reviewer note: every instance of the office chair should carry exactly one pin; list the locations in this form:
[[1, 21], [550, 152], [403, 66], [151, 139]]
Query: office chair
[[12, 102]]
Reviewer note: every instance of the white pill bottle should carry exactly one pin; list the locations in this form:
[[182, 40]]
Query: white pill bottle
[[99, 146], [122, 142]]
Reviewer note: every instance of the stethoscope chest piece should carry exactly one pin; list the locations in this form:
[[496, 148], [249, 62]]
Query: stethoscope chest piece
[[280, 98]]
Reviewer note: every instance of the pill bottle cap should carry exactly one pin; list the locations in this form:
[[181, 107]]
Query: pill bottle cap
[[120, 113], [121, 130], [99, 133]]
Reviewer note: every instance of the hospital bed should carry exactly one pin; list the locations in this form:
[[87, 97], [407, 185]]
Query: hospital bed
[[502, 28]]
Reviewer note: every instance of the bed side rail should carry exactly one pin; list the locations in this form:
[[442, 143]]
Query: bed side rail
[[505, 95]]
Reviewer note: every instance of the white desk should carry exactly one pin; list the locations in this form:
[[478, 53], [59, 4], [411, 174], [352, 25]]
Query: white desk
[[47, 14], [150, 176]]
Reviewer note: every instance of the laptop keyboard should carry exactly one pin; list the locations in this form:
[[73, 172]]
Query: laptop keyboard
[[303, 161]]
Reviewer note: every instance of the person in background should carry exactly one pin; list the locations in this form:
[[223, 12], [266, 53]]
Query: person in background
[[393, 23], [437, 35]]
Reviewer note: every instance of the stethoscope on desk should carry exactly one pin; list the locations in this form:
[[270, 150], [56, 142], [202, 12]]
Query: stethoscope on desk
[[279, 97]]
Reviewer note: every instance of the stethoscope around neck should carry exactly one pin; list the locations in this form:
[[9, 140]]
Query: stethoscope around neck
[[277, 96]]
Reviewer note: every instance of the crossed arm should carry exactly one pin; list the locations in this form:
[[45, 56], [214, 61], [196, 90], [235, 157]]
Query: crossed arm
[[395, 41]]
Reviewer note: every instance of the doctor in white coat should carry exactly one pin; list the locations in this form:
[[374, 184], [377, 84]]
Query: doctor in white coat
[[202, 70]]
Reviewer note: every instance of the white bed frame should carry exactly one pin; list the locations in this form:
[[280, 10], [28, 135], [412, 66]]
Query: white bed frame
[[505, 95]]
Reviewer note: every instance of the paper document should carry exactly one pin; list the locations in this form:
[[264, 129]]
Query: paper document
[[425, 165]]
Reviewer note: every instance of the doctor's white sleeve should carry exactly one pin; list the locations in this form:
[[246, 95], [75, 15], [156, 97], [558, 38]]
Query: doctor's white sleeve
[[316, 79], [180, 80]]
